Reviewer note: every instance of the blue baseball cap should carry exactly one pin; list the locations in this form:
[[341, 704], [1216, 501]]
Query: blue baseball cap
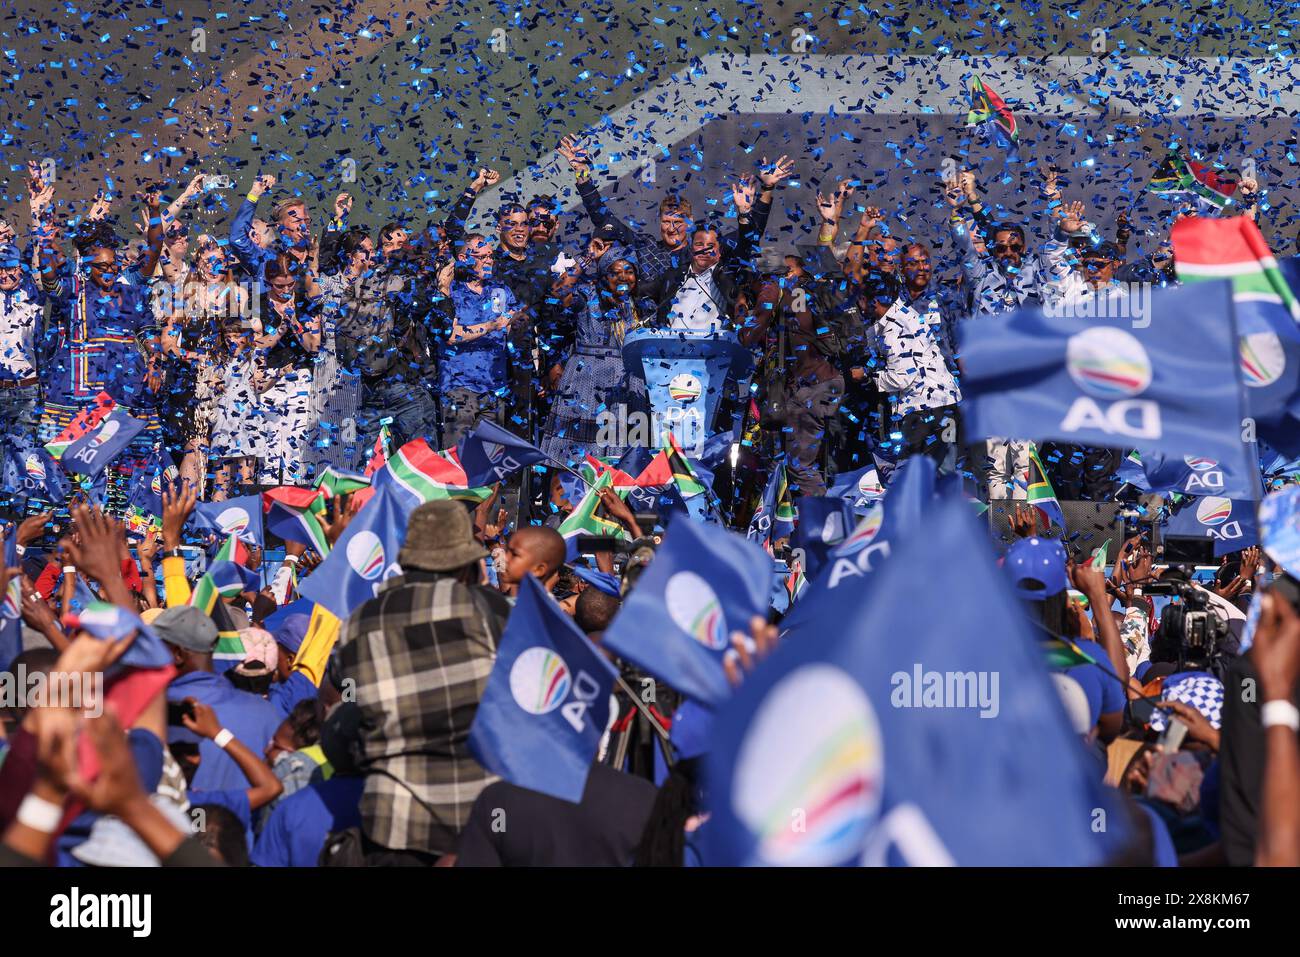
[[291, 632], [1037, 568]]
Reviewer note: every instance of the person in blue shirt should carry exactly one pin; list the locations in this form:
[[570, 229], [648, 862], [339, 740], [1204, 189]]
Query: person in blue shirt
[[296, 831], [475, 356], [255, 241], [290, 686], [260, 785], [192, 637]]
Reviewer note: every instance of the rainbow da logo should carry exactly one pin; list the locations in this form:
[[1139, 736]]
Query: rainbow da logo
[[365, 554], [1110, 365], [809, 774], [694, 608], [233, 521], [539, 680], [106, 431], [684, 388], [34, 468], [1215, 514], [1213, 511], [1263, 359], [12, 606], [855, 556], [493, 451], [869, 486], [1205, 474]]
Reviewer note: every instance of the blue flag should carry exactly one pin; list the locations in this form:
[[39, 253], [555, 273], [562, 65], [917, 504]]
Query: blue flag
[[89, 454], [823, 524], [547, 702], [31, 472], [1188, 475], [870, 543], [1231, 523], [922, 728], [147, 481], [704, 583], [773, 519], [862, 489], [490, 454], [11, 604], [1171, 385], [235, 516], [364, 556]]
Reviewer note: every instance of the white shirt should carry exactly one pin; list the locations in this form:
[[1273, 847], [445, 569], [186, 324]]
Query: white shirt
[[19, 316], [914, 368], [695, 308]]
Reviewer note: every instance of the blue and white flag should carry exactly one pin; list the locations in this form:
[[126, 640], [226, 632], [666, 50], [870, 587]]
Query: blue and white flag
[[862, 489], [31, 472], [823, 524], [241, 517], [11, 604], [921, 728], [704, 583], [1230, 522], [1171, 384], [1188, 475], [364, 556], [491, 454], [88, 454], [1279, 528], [547, 703]]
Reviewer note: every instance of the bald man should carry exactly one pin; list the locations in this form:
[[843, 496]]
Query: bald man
[[536, 549]]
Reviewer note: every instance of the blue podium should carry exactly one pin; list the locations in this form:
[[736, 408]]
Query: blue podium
[[685, 377]]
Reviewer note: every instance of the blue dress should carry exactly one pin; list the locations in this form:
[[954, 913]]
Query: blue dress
[[598, 407]]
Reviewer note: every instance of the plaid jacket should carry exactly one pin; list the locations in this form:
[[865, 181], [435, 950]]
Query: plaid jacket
[[420, 653]]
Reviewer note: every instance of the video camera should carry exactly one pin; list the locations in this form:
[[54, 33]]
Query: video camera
[[1190, 620]]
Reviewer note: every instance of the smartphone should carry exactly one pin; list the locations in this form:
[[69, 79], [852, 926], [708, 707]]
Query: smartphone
[[219, 181], [176, 710]]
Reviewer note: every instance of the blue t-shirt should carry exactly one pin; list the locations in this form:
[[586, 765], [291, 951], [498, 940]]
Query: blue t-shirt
[[1099, 679], [478, 365], [285, 694], [251, 719], [297, 828]]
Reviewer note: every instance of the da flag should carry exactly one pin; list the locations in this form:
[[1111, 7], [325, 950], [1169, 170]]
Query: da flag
[[1170, 385], [30, 471], [870, 543], [490, 454], [1279, 526], [364, 556], [144, 493], [867, 739], [823, 524], [704, 583], [1267, 316], [1179, 178], [1187, 475], [90, 452], [1040, 494], [1230, 523], [547, 702], [417, 474], [86, 421], [862, 489], [241, 517], [774, 517], [294, 514]]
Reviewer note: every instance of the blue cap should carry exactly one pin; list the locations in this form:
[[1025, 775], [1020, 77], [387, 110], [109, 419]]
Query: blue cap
[[10, 256], [1037, 568], [291, 632]]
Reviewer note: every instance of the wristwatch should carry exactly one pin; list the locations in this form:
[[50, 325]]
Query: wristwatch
[[173, 553]]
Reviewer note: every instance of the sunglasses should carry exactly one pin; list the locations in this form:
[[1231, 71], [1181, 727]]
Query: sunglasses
[[541, 220], [1007, 247]]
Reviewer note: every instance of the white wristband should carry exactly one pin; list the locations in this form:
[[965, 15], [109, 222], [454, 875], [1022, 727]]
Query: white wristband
[[39, 814], [1279, 712], [291, 559], [223, 738], [20, 550]]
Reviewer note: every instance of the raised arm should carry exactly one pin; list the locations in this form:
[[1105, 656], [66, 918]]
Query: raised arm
[[597, 211]]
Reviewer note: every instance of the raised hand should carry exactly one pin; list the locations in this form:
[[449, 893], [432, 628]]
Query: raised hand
[[336, 518], [485, 178], [742, 194], [98, 544], [261, 185], [773, 175], [576, 155], [1072, 217], [741, 659], [177, 505], [342, 205], [31, 527]]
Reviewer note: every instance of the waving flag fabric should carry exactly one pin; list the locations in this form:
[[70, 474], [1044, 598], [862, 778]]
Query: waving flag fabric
[[1178, 177], [1039, 492]]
